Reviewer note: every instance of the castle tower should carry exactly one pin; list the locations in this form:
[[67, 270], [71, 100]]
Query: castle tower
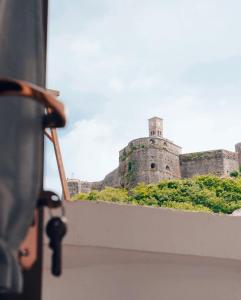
[[238, 150], [155, 127]]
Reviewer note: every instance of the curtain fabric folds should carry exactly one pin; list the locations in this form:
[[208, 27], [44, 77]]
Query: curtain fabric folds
[[22, 56]]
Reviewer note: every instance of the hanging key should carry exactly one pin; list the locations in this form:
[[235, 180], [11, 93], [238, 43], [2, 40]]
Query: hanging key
[[56, 230]]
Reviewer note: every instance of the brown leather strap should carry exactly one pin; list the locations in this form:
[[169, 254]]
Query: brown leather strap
[[19, 88]]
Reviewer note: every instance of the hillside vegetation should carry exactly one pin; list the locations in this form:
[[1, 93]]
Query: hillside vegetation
[[202, 193]]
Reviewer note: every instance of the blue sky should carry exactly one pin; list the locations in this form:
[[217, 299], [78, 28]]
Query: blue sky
[[119, 62]]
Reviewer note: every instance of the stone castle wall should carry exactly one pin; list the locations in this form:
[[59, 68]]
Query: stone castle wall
[[200, 163], [230, 162], [216, 162], [112, 179], [238, 151]]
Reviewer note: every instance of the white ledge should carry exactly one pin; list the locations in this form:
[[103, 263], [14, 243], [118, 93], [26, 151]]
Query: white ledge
[[159, 230]]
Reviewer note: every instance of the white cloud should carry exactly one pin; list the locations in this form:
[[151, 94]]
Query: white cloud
[[84, 47], [90, 151], [117, 85]]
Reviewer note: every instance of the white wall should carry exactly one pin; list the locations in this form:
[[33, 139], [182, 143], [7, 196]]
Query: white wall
[[122, 252]]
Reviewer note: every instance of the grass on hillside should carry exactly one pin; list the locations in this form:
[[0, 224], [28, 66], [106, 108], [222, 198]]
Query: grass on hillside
[[202, 193]]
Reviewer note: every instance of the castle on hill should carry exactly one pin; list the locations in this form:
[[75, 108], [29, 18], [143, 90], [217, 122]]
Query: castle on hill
[[154, 158]]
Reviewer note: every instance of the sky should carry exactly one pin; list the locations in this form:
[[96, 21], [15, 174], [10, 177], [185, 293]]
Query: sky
[[117, 63]]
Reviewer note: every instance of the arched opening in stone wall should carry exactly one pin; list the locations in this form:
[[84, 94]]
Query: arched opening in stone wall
[[168, 168], [152, 141], [129, 166], [153, 166]]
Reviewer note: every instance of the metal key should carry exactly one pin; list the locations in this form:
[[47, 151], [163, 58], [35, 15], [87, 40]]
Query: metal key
[[56, 230]]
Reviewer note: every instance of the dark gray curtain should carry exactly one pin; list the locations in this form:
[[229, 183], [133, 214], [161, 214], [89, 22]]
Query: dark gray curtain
[[22, 56]]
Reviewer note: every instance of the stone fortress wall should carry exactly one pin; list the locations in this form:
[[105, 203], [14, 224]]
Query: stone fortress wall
[[154, 158], [217, 162]]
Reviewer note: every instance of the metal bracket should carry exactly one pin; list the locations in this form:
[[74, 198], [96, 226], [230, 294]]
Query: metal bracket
[[55, 116]]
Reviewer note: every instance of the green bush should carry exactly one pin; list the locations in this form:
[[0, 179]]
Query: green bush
[[202, 193], [107, 194], [186, 206], [113, 195], [234, 174]]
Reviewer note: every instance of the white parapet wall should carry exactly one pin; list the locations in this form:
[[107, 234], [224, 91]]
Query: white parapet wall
[[122, 252]]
